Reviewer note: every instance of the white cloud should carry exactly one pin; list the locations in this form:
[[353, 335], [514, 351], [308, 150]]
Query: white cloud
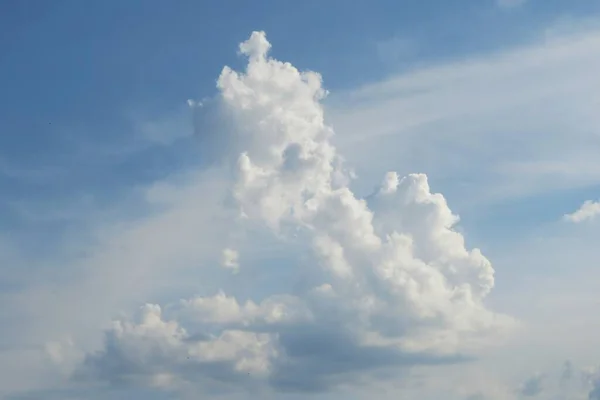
[[588, 211], [230, 259], [154, 346], [114, 263], [501, 126], [391, 281]]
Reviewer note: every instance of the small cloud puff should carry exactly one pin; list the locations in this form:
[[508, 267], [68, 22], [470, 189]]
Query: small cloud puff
[[589, 210], [230, 260]]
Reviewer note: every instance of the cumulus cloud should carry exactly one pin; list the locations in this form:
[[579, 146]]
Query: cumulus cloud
[[588, 211], [393, 284], [155, 349]]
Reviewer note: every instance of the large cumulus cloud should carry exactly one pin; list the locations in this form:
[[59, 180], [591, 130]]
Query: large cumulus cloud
[[392, 282]]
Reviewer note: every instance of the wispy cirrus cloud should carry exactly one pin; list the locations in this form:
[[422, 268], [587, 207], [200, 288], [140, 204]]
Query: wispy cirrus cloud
[[526, 117]]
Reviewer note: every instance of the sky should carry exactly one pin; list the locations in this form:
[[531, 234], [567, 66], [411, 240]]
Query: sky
[[299, 200]]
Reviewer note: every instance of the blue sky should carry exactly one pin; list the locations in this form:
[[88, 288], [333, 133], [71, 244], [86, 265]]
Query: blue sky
[[74, 73], [115, 190]]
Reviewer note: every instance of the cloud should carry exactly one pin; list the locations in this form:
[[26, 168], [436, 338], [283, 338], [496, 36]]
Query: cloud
[[532, 386], [230, 259], [158, 352], [389, 280], [113, 262], [577, 383], [524, 116], [588, 211]]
